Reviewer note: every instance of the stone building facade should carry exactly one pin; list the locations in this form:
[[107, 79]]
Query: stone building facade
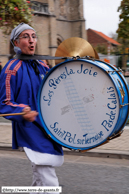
[[54, 21]]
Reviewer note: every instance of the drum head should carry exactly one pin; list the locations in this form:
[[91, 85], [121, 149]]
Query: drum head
[[78, 104]]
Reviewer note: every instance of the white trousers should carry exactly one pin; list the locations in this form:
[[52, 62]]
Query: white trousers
[[44, 176]]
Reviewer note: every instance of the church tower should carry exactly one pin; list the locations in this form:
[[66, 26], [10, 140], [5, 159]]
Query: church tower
[[57, 20]]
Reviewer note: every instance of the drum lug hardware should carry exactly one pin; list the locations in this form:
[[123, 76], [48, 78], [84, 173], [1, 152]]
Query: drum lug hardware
[[90, 58], [49, 135], [121, 91], [124, 105], [77, 57], [119, 70], [115, 135]]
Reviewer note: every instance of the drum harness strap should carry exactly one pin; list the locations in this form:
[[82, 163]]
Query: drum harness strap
[[38, 57]]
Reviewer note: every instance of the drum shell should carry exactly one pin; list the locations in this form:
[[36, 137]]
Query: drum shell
[[119, 84]]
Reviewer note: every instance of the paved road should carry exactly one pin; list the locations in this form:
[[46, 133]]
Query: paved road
[[78, 175]]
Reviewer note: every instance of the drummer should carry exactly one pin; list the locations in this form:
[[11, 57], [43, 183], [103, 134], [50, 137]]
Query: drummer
[[20, 81]]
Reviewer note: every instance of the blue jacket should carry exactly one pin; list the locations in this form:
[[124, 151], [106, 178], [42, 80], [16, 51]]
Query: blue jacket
[[19, 85]]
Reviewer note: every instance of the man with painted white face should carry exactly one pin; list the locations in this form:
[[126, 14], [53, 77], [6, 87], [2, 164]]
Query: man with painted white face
[[20, 81]]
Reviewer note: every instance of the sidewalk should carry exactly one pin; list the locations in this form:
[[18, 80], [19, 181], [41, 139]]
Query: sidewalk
[[116, 148]]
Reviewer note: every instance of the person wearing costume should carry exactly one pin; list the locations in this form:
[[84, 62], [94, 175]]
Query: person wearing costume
[[20, 81]]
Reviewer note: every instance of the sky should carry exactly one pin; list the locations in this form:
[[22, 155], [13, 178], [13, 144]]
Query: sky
[[102, 15]]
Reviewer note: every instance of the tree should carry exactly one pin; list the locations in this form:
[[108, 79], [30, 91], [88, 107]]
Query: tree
[[101, 49], [13, 12], [123, 29]]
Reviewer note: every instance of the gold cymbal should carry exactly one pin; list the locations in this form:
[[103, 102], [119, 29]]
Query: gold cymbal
[[75, 46], [96, 54]]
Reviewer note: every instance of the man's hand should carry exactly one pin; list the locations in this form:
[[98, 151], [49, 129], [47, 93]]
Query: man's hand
[[29, 115]]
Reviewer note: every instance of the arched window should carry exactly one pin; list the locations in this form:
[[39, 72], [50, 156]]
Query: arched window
[[58, 41]]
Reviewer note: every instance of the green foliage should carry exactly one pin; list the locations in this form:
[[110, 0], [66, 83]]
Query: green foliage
[[123, 30], [13, 12], [101, 49]]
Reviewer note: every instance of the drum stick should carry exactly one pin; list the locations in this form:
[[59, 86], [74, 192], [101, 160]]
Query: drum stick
[[12, 114]]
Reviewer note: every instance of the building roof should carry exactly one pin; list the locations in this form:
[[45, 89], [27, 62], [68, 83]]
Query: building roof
[[112, 41]]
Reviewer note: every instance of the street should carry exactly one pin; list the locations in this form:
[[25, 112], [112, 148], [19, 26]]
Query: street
[[78, 175]]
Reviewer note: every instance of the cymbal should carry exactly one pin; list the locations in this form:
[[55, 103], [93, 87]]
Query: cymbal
[[75, 46], [96, 54]]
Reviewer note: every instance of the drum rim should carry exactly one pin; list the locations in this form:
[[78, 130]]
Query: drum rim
[[41, 116]]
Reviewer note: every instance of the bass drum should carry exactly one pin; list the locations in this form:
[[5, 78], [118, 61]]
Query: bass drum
[[83, 103]]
